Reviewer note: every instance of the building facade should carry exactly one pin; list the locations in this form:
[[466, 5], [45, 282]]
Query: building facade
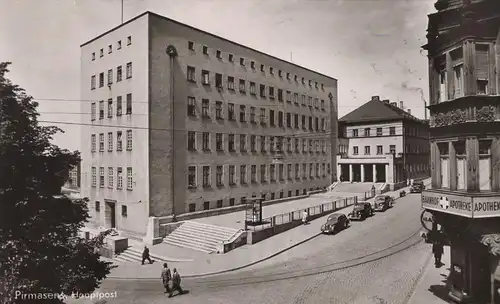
[[380, 142], [180, 120], [463, 202]]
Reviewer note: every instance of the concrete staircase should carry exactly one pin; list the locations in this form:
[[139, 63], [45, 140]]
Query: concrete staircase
[[133, 254], [355, 187], [201, 237]]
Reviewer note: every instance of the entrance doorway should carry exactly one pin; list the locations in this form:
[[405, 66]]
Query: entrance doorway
[[368, 173], [380, 175], [356, 172], [344, 173], [110, 214]]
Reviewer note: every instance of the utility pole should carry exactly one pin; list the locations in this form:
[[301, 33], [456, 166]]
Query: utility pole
[[122, 11]]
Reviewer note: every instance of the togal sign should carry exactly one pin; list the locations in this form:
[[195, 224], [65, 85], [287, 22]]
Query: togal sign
[[453, 204]]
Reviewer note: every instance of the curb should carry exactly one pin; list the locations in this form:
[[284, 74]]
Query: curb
[[420, 278]]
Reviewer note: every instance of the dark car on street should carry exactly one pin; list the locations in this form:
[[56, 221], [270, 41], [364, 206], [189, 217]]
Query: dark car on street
[[382, 202], [335, 223], [361, 211], [417, 187]]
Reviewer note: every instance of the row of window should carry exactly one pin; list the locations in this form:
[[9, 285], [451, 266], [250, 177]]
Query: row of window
[[232, 200], [111, 178], [247, 114], [119, 107], [380, 150], [264, 92], [379, 132], [110, 47], [253, 64], [274, 143], [274, 173], [98, 208], [119, 141], [119, 76]]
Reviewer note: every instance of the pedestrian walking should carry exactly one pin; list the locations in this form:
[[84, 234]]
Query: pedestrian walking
[[304, 217], [437, 249], [176, 283], [166, 277], [145, 255]]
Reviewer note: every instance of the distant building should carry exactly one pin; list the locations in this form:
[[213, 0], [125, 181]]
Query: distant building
[[181, 121], [380, 142], [73, 181]]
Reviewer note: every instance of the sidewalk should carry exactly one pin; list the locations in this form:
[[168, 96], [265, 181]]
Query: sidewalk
[[242, 257], [431, 287]]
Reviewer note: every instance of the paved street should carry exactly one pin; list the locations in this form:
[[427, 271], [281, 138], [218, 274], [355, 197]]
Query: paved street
[[371, 262]]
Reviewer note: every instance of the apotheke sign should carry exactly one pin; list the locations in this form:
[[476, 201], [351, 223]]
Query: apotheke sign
[[458, 205], [486, 207]]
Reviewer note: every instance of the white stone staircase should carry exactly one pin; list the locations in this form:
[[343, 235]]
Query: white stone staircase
[[332, 186], [133, 254], [201, 237]]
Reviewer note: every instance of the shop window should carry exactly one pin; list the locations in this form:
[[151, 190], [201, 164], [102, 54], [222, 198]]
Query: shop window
[[445, 176], [484, 165]]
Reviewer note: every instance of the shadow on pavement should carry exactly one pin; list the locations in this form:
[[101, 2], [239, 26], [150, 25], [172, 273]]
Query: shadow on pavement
[[184, 292], [440, 291]]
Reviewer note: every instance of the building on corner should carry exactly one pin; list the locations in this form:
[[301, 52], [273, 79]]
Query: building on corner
[[381, 142], [180, 121]]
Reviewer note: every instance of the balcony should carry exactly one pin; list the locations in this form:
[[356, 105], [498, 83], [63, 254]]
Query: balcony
[[470, 205]]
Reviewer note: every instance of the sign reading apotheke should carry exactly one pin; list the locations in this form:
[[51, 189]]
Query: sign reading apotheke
[[453, 204], [486, 206]]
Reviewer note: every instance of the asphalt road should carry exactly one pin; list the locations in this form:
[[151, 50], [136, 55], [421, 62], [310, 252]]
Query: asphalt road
[[375, 261]]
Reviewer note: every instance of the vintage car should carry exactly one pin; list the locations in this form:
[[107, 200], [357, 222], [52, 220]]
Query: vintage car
[[361, 210], [382, 202], [417, 187], [335, 223]]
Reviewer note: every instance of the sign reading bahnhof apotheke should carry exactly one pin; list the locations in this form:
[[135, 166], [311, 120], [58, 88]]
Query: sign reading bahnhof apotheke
[[477, 207], [453, 204]]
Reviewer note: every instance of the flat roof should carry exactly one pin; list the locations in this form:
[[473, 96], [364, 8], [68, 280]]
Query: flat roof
[[204, 32]]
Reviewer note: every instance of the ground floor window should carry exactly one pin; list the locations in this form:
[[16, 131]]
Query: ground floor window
[[484, 165]]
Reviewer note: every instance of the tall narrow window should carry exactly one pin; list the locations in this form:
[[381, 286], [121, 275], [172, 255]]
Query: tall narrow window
[[119, 106], [484, 165], [129, 104], [461, 164], [119, 175], [445, 176], [129, 140], [130, 181], [129, 70], [482, 68], [458, 72]]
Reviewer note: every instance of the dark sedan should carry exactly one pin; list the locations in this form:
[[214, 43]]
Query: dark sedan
[[361, 211], [335, 223]]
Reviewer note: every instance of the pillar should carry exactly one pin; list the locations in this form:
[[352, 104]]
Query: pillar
[[374, 171], [350, 172], [452, 166], [339, 172], [388, 177], [362, 173]]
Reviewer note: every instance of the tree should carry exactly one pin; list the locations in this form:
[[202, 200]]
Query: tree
[[39, 250]]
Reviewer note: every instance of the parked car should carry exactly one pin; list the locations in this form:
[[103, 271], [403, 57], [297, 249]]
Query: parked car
[[335, 223], [417, 187], [361, 211], [382, 202]]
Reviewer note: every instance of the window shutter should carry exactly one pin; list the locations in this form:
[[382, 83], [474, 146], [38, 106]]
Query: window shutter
[[482, 61]]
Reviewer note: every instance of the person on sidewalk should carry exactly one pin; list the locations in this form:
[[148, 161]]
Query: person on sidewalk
[[176, 283], [437, 249], [166, 276], [304, 217], [145, 255]]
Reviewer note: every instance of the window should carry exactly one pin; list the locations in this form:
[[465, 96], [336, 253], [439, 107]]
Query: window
[[482, 68], [242, 61], [242, 113], [271, 117], [92, 82], [219, 142], [289, 120], [280, 95], [445, 177], [129, 40], [392, 130], [191, 107], [323, 124], [110, 108], [367, 150], [296, 98], [379, 131], [93, 143], [218, 110], [230, 141], [297, 172], [110, 77], [367, 132], [101, 80], [101, 53], [252, 114], [253, 174], [316, 123], [191, 177], [297, 144], [252, 143], [355, 150], [119, 174], [205, 50], [111, 174], [457, 63], [192, 207], [311, 170], [304, 171], [271, 143], [309, 101], [129, 140], [129, 70], [191, 74], [322, 104], [272, 172], [271, 92], [119, 141], [101, 177], [289, 171], [232, 182], [93, 56], [118, 73], [129, 104], [231, 58], [230, 83], [262, 115], [252, 88], [124, 211], [262, 90], [288, 76], [110, 141], [355, 133], [281, 173], [231, 202], [380, 150], [218, 80], [243, 174], [119, 45], [119, 106], [206, 176], [279, 144], [230, 111], [310, 123], [280, 119], [205, 108], [93, 111], [101, 109], [101, 142], [205, 141], [242, 86], [288, 96], [485, 165], [263, 144], [262, 173], [219, 176], [392, 149], [191, 45], [94, 176], [191, 141], [205, 77], [243, 143], [296, 120]]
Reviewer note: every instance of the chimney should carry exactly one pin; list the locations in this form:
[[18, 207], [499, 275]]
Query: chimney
[[385, 100], [401, 104], [409, 111], [376, 98], [394, 104]]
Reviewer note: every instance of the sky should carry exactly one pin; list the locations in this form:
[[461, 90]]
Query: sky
[[373, 47]]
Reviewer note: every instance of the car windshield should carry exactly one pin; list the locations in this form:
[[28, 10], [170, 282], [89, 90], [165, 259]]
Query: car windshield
[[333, 218]]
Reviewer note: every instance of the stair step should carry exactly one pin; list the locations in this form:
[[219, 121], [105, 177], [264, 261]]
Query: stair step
[[210, 227], [199, 235], [218, 234], [190, 242], [186, 245]]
